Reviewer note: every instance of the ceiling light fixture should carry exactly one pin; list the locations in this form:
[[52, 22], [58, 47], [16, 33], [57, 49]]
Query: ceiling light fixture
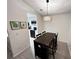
[[47, 18], [47, 1]]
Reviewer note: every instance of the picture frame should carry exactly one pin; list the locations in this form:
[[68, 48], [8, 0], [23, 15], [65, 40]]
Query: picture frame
[[23, 25], [15, 25], [29, 27], [35, 28], [33, 22]]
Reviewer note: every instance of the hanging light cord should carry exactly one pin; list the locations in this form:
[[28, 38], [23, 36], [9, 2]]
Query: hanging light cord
[[47, 1], [47, 8]]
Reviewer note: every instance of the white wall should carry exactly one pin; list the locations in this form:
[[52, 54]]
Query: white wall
[[60, 24], [19, 39], [40, 24]]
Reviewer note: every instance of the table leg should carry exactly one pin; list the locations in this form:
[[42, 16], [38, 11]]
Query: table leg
[[53, 55]]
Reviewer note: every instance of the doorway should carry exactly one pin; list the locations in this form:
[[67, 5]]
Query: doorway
[[33, 30]]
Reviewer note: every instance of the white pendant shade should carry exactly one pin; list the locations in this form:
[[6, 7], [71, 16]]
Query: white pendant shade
[[47, 18]]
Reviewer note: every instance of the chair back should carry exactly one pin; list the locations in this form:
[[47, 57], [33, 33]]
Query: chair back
[[55, 41], [43, 32], [38, 35]]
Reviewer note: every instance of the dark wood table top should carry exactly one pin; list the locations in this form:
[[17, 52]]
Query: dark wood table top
[[45, 39]]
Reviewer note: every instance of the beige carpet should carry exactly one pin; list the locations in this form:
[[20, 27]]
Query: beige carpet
[[62, 53]]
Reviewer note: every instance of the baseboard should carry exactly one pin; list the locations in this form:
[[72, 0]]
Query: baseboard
[[69, 49], [20, 52]]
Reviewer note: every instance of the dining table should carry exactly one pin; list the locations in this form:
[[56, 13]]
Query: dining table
[[43, 43]]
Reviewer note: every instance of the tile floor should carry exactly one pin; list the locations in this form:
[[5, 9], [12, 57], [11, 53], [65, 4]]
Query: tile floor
[[62, 53]]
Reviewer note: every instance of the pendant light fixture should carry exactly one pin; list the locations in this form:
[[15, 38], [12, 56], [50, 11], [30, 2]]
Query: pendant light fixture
[[47, 18], [47, 1]]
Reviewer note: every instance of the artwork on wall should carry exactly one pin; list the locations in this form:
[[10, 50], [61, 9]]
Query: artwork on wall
[[29, 27], [33, 22], [28, 24], [23, 25], [15, 25], [35, 28]]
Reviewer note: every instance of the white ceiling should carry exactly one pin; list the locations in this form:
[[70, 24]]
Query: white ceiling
[[54, 6]]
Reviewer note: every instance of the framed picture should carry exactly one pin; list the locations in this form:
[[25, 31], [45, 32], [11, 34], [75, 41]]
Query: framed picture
[[29, 27], [33, 22], [15, 25], [23, 25], [35, 28]]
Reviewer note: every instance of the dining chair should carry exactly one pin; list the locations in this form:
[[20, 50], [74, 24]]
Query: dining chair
[[38, 35], [53, 46], [43, 32]]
